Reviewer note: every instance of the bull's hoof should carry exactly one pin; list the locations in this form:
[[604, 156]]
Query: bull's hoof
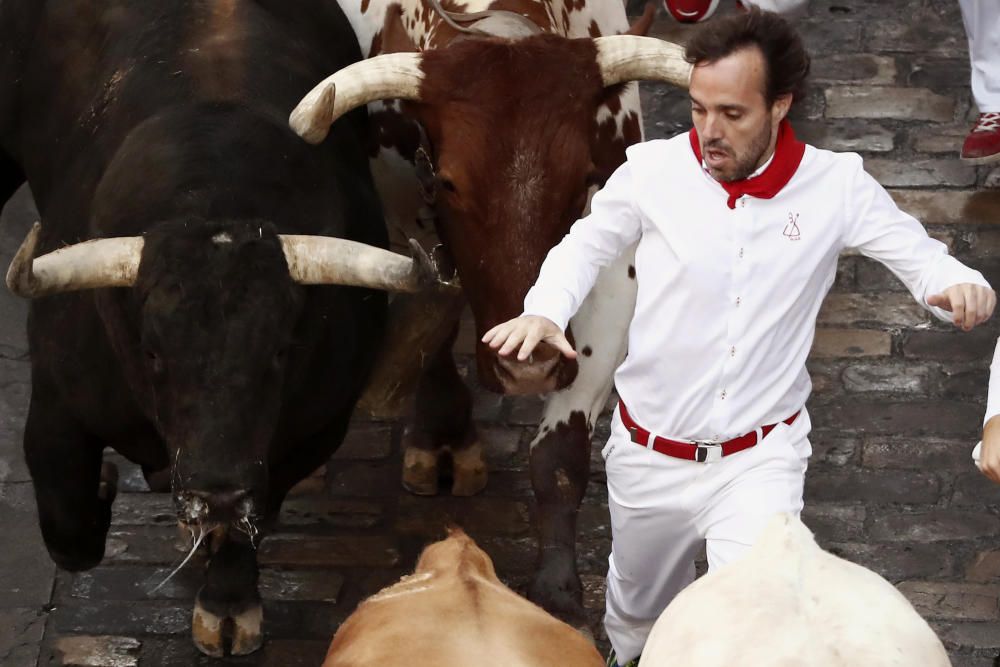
[[469, 470], [420, 471], [557, 588], [241, 634]]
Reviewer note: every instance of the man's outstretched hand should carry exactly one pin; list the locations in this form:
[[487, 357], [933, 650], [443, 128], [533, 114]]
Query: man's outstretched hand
[[527, 331], [968, 304]]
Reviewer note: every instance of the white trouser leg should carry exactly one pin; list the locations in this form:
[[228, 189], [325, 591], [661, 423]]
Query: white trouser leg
[[653, 538], [661, 508], [982, 26]]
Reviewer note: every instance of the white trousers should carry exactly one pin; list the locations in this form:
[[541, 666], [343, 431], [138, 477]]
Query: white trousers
[[787, 7], [982, 26], [662, 508]]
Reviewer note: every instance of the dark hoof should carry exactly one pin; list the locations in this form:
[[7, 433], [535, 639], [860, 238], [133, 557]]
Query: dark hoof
[[468, 470], [80, 557], [557, 589], [107, 489], [420, 471], [239, 634]]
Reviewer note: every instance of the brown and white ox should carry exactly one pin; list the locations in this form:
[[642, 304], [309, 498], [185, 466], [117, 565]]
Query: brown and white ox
[[788, 603], [515, 113], [453, 610]]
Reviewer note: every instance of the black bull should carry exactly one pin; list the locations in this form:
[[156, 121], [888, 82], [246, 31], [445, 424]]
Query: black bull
[[215, 371]]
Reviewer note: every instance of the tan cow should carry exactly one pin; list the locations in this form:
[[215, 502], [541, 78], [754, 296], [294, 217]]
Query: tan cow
[[454, 611], [789, 603]]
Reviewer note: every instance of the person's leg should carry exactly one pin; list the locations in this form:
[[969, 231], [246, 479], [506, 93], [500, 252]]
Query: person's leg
[[767, 482], [654, 541], [982, 27]]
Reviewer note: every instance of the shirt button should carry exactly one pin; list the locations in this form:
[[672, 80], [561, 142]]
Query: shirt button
[[743, 203], [732, 351], [723, 395], [737, 302], [741, 253]]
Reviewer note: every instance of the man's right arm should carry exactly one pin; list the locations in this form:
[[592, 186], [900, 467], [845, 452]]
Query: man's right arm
[[570, 269], [989, 459]]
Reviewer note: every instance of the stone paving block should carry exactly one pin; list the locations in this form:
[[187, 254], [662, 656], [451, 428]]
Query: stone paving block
[[872, 486], [150, 583], [913, 417], [524, 410], [275, 653], [968, 383], [101, 651], [20, 635], [978, 635], [896, 378], [26, 571], [948, 207], [885, 102], [952, 601], [992, 178], [835, 521], [920, 32], [897, 561], [916, 453], [836, 343], [937, 73], [503, 446], [951, 345], [831, 37], [363, 479], [832, 450], [855, 309], [939, 139], [430, 516], [933, 172], [850, 67], [331, 512], [306, 551], [985, 568], [854, 135], [973, 488], [933, 526]]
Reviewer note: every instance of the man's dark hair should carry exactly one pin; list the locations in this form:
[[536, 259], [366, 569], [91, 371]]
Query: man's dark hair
[[784, 54]]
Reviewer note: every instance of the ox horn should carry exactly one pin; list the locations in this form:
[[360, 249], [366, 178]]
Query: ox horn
[[323, 260], [633, 58], [389, 76], [111, 262]]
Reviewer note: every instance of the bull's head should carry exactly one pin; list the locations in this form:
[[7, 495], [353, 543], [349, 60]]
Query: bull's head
[[518, 144], [207, 338]]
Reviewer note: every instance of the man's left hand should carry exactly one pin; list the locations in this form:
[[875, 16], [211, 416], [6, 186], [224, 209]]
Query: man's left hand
[[968, 304]]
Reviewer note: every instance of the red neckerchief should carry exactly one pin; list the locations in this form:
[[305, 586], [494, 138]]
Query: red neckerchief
[[788, 152]]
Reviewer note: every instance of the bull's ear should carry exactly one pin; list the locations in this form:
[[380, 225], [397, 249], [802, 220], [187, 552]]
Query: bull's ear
[[642, 25], [395, 39]]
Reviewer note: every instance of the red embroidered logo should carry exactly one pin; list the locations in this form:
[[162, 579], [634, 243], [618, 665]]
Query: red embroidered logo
[[792, 228]]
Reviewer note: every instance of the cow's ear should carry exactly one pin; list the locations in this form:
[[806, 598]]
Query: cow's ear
[[395, 39]]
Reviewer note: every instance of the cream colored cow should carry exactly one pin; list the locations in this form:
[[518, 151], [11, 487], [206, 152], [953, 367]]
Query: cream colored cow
[[454, 611], [789, 603]]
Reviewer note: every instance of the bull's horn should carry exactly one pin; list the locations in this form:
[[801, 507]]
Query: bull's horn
[[632, 58], [323, 260], [112, 262], [389, 76]]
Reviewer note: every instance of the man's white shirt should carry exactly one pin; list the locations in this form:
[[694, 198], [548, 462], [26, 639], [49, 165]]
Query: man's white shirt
[[727, 299]]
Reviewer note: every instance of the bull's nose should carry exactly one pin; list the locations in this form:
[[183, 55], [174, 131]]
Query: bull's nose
[[534, 375], [223, 505]]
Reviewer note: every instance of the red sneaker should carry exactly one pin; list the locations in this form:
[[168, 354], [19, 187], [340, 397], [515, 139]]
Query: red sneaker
[[982, 146], [691, 11]]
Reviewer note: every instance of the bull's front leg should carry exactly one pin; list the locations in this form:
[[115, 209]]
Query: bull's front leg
[[74, 488], [442, 423], [560, 452], [228, 616]]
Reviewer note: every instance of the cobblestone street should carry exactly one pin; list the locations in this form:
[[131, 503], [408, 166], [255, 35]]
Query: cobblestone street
[[897, 407]]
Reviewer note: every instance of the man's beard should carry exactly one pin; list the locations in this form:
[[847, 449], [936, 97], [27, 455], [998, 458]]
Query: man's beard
[[746, 163]]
